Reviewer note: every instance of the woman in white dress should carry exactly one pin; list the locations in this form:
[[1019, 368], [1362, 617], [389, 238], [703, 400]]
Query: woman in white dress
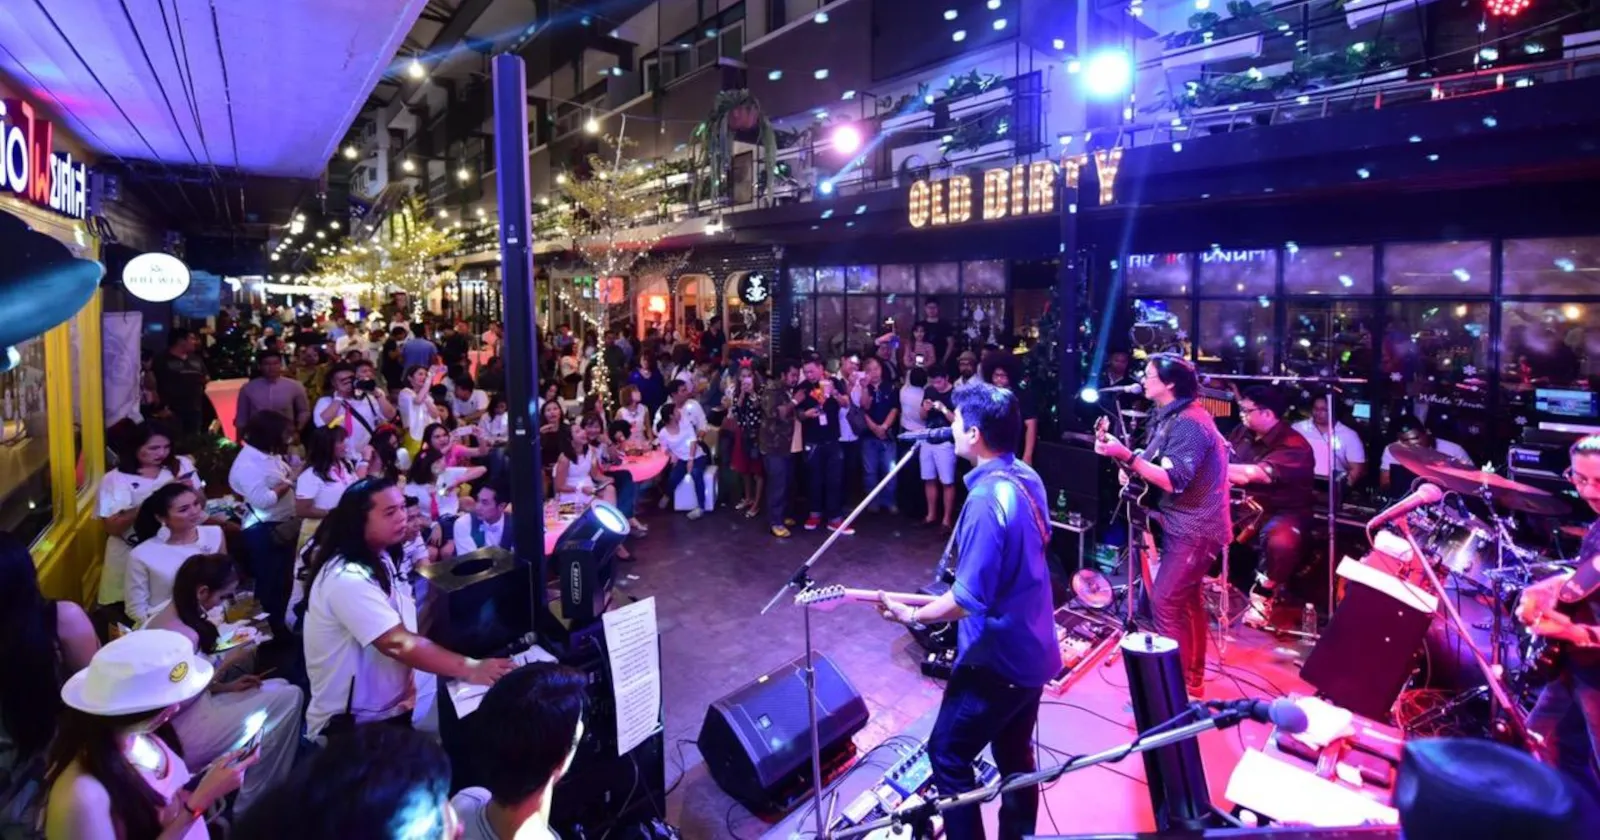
[[641, 433], [329, 470], [235, 700], [112, 775], [144, 463], [171, 530]]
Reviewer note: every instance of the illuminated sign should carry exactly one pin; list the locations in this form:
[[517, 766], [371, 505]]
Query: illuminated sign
[[1027, 189], [1106, 164], [155, 277], [754, 289], [31, 168]]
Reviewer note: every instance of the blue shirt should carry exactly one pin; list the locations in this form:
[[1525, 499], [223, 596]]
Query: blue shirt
[[417, 352], [1002, 580]]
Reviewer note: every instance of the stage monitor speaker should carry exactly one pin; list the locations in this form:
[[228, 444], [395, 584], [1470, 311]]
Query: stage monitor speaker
[[756, 740], [1368, 649], [476, 604]]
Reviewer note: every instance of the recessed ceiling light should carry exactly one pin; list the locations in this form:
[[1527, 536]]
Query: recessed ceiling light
[[820, 74], [959, 35], [774, 75]]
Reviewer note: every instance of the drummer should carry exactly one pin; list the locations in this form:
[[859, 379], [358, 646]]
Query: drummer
[[1414, 433]]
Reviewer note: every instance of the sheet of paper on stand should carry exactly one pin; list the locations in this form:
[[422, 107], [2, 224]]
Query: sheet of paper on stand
[[466, 697], [635, 652]]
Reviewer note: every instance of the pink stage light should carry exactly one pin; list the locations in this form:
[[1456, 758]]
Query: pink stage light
[[846, 140]]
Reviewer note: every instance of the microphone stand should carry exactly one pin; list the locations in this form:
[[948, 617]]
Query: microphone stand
[[799, 583], [920, 817]]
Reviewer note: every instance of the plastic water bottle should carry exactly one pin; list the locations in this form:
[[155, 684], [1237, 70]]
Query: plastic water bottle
[[1308, 620]]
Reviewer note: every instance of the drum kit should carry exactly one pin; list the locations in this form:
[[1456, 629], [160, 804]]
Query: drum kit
[[1467, 541]]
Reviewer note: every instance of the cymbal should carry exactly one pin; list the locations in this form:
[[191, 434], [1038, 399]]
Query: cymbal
[[1420, 458], [1092, 588], [1511, 495]]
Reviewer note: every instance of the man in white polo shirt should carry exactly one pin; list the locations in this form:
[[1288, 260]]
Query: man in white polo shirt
[[1349, 456]]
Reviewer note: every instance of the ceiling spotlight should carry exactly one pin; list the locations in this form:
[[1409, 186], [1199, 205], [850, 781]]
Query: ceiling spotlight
[[1108, 74], [350, 153], [959, 35], [1059, 44], [993, 4], [846, 140], [408, 165], [591, 126], [999, 24], [826, 188], [416, 71], [820, 17], [949, 14], [820, 74], [774, 75]]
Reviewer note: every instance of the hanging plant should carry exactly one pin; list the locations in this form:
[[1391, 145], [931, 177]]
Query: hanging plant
[[733, 110], [1243, 18]]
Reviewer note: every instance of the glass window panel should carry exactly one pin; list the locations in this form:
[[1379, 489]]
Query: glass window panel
[[898, 278], [940, 278], [987, 277], [862, 315], [830, 280], [26, 497], [861, 279], [1548, 345], [1158, 274], [805, 317], [1447, 268], [1334, 338], [803, 280], [1435, 360], [982, 324], [903, 309], [1236, 336], [1328, 271], [1551, 266], [830, 325], [1161, 326], [1231, 271]]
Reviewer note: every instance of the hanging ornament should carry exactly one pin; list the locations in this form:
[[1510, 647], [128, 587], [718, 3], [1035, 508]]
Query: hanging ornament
[[1507, 8]]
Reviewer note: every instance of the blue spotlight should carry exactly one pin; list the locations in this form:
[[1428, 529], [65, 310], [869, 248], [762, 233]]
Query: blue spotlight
[[1089, 394], [826, 188], [1108, 74]]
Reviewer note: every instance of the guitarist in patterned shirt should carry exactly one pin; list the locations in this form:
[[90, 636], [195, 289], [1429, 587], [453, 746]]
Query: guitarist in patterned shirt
[[1565, 609], [1187, 460]]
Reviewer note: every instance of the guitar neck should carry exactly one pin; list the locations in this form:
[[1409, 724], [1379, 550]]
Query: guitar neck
[[871, 595]]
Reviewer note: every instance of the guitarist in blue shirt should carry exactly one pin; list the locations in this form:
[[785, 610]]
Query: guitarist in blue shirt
[[1006, 641]]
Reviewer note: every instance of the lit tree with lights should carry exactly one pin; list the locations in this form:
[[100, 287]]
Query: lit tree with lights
[[402, 257]]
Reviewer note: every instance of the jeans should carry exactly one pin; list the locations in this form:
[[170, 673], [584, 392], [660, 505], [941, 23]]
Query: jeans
[[272, 563], [825, 469], [627, 491], [697, 470], [779, 487], [878, 461], [1567, 717], [1174, 602], [850, 470], [981, 708], [1282, 546]]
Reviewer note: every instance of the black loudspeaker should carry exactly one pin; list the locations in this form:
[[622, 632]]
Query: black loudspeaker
[[756, 741], [1367, 651], [476, 604], [1179, 797]]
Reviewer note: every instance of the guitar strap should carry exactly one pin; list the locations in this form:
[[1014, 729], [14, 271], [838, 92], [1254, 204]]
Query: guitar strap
[[1039, 521]]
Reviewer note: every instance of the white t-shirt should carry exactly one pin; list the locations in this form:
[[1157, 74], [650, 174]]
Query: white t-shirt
[[346, 611], [690, 415], [476, 401], [680, 444], [120, 491], [364, 408], [494, 428], [154, 564], [911, 409], [324, 493], [580, 478], [416, 413], [1347, 447], [252, 476], [1444, 447]]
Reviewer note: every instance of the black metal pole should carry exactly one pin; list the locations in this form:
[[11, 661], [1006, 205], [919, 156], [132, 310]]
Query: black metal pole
[[521, 348], [1069, 357]]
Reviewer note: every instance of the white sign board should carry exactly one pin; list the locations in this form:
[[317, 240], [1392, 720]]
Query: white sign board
[[156, 277]]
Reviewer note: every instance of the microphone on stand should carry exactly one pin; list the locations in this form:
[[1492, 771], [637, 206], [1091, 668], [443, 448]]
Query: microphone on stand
[[1282, 713], [1134, 388], [943, 434], [1425, 494]]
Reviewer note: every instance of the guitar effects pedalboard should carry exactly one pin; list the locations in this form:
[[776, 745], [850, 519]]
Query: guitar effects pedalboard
[[908, 781]]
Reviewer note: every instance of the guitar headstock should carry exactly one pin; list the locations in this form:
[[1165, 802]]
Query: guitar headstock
[[821, 597]]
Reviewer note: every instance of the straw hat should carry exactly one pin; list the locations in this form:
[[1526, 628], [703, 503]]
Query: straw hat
[[143, 671]]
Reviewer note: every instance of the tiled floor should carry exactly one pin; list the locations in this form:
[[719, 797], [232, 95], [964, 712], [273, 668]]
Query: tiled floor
[[711, 579]]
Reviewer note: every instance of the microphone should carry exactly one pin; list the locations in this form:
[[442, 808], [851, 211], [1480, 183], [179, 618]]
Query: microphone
[[943, 434], [1425, 494], [1134, 388], [1282, 712]]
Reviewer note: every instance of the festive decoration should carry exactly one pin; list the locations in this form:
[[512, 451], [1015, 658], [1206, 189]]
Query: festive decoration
[[1507, 8], [732, 112], [401, 258]]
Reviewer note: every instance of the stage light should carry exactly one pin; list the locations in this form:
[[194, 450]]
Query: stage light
[[820, 74], [416, 71], [846, 140], [1108, 74], [821, 17], [999, 24], [826, 188], [408, 165], [1059, 44], [350, 153], [949, 14], [1089, 395]]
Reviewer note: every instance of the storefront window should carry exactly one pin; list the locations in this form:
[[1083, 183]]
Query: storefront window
[[983, 278], [1236, 336], [861, 279], [1328, 271], [900, 279], [1435, 355], [830, 324], [940, 278], [803, 281], [830, 280], [1437, 268], [1157, 274], [1549, 345], [1238, 272], [805, 318], [1551, 266], [26, 497], [1333, 338], [903, 309], [863, 323], [983, 321], [1161, 326]]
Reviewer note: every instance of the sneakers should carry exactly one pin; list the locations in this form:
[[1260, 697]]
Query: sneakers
[[813, 521], [696, 513], [838, 525], [1259, 613], [780, 532]]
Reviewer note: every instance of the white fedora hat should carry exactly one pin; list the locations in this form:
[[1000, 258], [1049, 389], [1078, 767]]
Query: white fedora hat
[[143, 671]]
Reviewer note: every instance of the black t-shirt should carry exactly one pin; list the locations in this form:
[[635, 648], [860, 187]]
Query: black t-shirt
[[712, 343], [937, 419], [454, 350], [1025, 402], [880, 401], [393, 368], [824, 428], [938, 333]]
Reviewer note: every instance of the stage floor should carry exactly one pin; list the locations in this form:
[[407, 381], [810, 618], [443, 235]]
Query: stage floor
[[711, 578]]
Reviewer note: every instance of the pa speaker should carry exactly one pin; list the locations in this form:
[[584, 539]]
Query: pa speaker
[[1368, 649], [478, 603], [756, 740]]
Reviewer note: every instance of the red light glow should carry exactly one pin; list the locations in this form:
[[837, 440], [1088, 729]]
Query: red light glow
[[1507, 8]]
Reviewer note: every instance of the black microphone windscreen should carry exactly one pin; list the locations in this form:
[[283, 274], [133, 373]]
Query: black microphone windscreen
[[1287, 716]]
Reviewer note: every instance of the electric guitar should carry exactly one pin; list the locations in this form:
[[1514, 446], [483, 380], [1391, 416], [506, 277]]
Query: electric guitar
[[828, 597], [1142, 496], [1544, 655]]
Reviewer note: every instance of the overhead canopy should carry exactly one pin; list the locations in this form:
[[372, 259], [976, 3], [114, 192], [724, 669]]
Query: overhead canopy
[[265, 87]]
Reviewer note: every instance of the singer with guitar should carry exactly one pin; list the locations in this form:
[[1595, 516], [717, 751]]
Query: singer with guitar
[[1565, 609], [1006, 636], [1187, 460]]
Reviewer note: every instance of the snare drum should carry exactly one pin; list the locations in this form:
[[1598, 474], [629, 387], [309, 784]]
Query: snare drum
[[1465, 548]]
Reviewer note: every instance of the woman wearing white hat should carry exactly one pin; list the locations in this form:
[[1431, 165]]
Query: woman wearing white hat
[[111, 777]]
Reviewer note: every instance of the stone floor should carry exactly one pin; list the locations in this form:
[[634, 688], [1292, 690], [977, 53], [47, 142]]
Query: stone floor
[[711, 579]]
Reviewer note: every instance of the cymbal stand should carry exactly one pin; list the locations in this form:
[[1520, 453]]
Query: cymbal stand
[[798, 584]]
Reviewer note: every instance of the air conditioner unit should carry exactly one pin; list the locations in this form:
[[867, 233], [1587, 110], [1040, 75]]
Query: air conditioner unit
[[1357, 12]]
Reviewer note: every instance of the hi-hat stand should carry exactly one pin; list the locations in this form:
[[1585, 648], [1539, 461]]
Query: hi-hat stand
[[798, 584]]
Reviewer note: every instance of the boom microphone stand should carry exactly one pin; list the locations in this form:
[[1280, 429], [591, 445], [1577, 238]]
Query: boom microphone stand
[[798, 584]]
